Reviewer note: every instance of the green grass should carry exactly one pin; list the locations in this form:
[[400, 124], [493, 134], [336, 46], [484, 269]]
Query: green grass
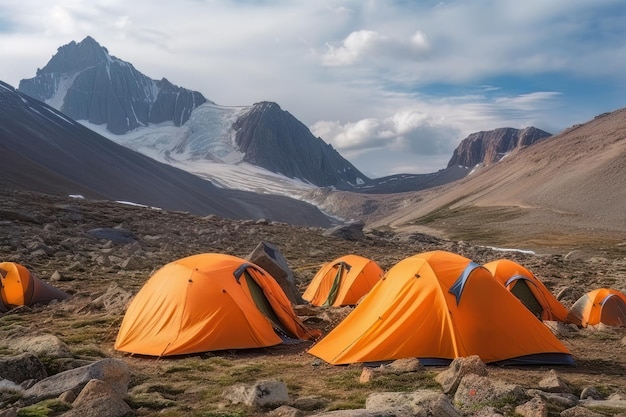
[[44, 408]]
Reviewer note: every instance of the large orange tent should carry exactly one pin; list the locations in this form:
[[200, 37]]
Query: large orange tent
[[437, 306], [343, 281], [208, 302], [19, 287], [528, 289], [603, 305]]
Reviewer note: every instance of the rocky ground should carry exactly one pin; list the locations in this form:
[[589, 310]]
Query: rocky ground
[[59, 240]]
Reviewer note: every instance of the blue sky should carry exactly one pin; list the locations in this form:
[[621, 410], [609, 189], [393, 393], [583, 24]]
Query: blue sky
[[394, 86]]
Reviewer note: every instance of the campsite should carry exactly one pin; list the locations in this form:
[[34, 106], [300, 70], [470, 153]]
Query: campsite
[[102, 254]]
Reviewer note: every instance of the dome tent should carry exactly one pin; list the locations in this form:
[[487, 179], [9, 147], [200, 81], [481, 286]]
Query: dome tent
[[19, 287], [343, 281], [528, 289], [603, 305], [437, 306], [208, 302]]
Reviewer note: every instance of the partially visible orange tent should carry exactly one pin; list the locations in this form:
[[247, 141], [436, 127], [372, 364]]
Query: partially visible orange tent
[[343, 281], [18, 287], [438, 306], [604, 305], [208, 302], [528, 289]]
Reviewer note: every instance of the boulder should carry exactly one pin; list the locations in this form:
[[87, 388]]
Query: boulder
[[417, 403], [268, 257], [113, 371], [476, 391], [263, 394], [23, 367], [99, 399], [553, 382], [536, 407], [451, 377]]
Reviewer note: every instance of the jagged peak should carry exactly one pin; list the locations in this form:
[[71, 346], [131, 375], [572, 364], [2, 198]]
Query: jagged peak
[[267, 105], [76, 56]]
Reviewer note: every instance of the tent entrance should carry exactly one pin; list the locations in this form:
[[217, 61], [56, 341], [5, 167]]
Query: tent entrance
[[334, 288], [523, 292], [264, 306]]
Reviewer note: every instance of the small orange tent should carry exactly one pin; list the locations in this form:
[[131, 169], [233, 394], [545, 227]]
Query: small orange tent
[[343, 281], [437, 306], [18, 287], [528, 289], [208, 302], [604, 305]]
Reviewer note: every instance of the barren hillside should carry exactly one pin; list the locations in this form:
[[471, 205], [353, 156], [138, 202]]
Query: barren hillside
[[568, 190]]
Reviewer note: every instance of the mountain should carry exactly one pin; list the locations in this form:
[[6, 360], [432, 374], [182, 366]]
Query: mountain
[[491, 146], [89, 85], [273, 139], [86, 83], [44, 150], [568, 188]]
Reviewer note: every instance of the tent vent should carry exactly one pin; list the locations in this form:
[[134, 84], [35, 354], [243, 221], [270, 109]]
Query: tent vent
[[459, 284]]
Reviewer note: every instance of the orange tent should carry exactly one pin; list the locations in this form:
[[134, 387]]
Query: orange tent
[[528, 289], [437, 306], [604, 305], [18, 287], [208, 302], [343, 281]]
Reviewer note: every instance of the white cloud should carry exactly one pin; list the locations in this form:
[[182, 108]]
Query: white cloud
[[391, 84], [369, 45]]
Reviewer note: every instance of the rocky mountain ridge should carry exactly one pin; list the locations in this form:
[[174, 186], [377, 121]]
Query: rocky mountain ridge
[[488, 147], [87, 83]]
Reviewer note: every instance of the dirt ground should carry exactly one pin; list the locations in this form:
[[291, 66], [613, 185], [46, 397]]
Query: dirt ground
[[50, 235]]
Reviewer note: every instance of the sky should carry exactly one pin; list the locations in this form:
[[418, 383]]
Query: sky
[[393, 86]]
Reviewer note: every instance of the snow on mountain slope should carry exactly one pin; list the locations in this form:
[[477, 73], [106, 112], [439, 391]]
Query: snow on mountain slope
[[205, 146]]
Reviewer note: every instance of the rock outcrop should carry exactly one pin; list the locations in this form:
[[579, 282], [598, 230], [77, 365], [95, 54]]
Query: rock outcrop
[[489, 147]]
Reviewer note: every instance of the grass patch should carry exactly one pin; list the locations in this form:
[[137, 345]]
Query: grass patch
[[44, 408]]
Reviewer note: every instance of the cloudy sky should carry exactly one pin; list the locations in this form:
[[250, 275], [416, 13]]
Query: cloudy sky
[[394, 86]]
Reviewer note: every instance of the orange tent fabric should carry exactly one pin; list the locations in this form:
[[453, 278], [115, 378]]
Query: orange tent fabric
[[528, 289], [18, 287], [343, 281], [208, 302], [604, 305], [437, 306]]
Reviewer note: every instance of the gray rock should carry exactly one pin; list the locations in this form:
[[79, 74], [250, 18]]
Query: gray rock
[[112, 371], [536, 407], [417, 403], [310, 403], [99, 399], [590, 393], [44, 345], [351, 231], [553, 382], [580, 411], [476, 391], [268, 257], [561, 400], [264, 394], [285, 411], [22, 368], [363, 413], [451, 377], [614, 407]]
